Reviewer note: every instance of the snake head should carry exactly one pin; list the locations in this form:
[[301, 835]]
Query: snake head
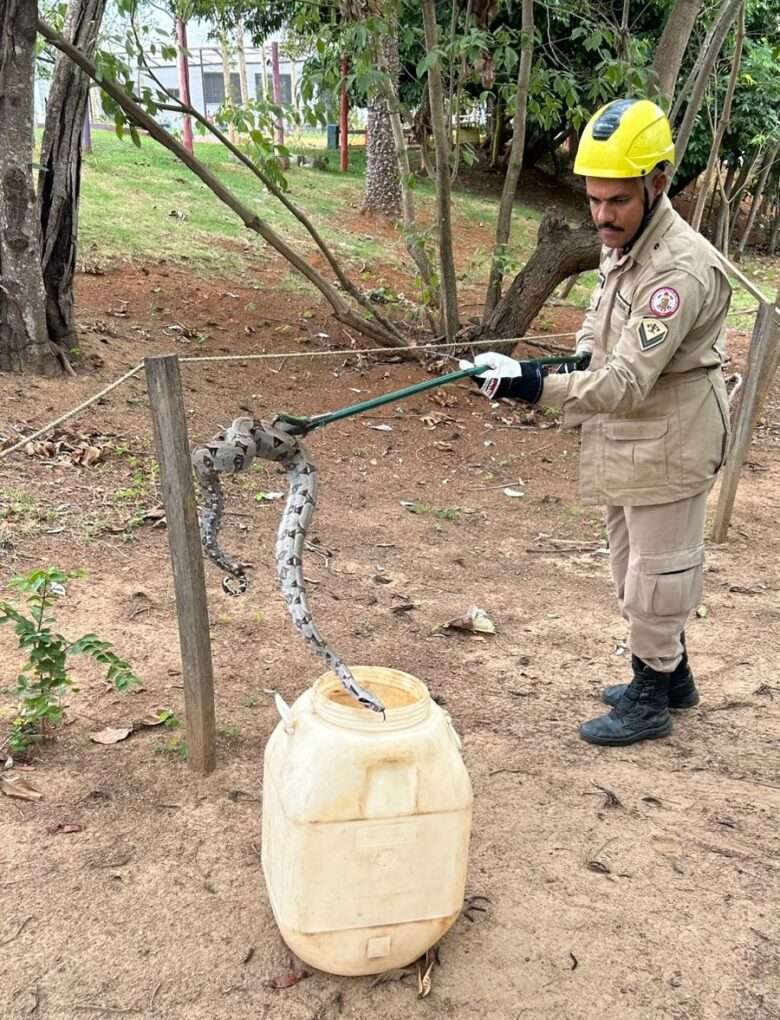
[[235, 584]]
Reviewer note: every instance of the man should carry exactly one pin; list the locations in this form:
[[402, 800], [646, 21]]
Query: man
[[647, 390]]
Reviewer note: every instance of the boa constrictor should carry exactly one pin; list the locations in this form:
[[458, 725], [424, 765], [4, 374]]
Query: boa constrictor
[[233, 450]]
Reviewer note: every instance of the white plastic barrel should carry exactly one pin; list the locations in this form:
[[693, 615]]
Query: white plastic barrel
[[366, 824]]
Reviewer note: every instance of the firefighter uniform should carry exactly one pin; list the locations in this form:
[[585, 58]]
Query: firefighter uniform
[[653, 413]]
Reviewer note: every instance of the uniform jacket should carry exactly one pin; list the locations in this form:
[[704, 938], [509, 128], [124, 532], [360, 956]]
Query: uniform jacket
[[652, 406]]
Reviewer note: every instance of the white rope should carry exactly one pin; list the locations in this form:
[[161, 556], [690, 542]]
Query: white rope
[[70, 414], [377, 350], [260, 357]]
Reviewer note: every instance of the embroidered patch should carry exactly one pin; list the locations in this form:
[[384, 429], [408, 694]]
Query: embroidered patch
[[652, 333], [664, 302]]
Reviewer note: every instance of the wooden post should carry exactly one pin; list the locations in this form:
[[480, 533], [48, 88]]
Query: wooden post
[[173, 453], [761, 367]]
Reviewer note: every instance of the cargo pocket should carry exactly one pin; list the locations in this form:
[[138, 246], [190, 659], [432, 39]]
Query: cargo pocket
[[670, 584], [635, 454], [723, 409]]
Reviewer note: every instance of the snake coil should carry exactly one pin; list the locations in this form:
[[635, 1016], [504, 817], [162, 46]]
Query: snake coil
[[232, 451]]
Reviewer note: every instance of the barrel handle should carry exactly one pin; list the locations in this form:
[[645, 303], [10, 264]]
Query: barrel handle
[[453, 732], [285, 713]]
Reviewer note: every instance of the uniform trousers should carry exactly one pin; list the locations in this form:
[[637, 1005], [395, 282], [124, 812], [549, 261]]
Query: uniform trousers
[[657, 559]]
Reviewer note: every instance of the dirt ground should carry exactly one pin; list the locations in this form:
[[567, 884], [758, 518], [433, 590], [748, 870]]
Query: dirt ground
[[621, 884]]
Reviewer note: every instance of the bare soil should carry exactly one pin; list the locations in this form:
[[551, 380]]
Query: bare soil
[[620, 884]]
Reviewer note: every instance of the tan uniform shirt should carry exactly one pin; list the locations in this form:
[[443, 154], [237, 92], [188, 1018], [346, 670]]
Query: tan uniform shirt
[[653, 405]]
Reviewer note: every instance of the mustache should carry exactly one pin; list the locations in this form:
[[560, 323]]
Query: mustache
[[609, 226]]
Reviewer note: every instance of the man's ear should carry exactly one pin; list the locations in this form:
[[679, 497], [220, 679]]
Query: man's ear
[[660, 184]]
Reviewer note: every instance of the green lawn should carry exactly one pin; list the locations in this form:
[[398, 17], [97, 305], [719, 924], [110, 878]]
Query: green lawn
[[145, 204]]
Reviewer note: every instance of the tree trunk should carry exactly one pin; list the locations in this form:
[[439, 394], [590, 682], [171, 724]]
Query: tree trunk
[[412, 236], [721, 232], [504, 224], [383, 181], [242, 77], [183, 66], [723, 123], [754, 206], [24, 341], [775, 232], [671, 48], [560, 252], [59, 181], [698, 82], [137, 115], [441, 139]]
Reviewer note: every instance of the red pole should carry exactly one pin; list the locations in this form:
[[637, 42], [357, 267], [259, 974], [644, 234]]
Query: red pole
[[344, 116], [184, 81], [277, 87]]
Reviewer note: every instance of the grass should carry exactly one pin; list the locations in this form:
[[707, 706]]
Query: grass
[[143, 204]]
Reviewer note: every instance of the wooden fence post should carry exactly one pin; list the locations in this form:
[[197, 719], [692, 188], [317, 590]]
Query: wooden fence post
[[760, 370], [173, 452]]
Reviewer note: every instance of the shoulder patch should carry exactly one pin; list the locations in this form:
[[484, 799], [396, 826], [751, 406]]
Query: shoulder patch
[[664, 302], [652, 333]]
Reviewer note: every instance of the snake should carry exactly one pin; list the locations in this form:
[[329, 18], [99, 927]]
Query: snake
[[233, 450]]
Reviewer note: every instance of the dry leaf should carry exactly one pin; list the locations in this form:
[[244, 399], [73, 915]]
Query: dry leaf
[[381, 428], [424, 981], [111, 735], [444, 399], [475, 620], [702, 612], [287, 980], [15, 786], [513, 492], [64, 827]]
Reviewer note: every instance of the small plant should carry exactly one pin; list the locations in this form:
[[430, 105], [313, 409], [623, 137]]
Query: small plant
[[173, 747], [44, 679]]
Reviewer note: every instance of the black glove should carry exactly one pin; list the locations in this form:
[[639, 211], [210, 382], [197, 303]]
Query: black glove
[[577, 364]]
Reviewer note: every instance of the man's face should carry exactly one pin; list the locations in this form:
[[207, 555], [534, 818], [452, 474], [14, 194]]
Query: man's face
[[617, 207]]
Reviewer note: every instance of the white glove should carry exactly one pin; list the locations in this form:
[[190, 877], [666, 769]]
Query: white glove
[[500, 368]]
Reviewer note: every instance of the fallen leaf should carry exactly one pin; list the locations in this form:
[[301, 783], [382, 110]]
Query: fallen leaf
[[380, 428], [287, 980], [475, 620], [111, 735], [702, 612], [15, 786], [64, 827], [513, 492], [267, 497]]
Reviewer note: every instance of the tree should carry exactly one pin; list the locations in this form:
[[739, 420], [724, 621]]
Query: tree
[[59, 180], [24, 341], [671, 49], [723, 123], [441, 138], [515, 161], [383, 180]]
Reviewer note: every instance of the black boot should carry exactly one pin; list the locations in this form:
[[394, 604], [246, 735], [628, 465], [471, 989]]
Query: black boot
[[642, 713], [682, 686]]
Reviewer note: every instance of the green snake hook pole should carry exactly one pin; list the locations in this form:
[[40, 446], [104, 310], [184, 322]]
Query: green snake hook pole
[[307, 425]]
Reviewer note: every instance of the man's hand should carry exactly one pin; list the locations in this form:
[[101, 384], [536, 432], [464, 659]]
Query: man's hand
[[506, 377], [577, 364]]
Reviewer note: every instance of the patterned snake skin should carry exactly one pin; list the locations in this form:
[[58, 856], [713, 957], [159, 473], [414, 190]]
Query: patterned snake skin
[[234, 450]]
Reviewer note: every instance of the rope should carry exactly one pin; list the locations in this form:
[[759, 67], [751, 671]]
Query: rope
[[258, 357]]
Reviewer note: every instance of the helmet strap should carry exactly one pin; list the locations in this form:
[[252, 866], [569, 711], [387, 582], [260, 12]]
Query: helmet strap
[[649, 209]]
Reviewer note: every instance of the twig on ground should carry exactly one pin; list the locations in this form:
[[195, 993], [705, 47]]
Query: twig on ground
[[18, 931]]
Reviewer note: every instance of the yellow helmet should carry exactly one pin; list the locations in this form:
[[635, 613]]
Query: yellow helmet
[[625, 138]]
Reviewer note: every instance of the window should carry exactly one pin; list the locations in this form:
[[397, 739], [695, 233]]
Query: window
[[214, 88], [286, 87]]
